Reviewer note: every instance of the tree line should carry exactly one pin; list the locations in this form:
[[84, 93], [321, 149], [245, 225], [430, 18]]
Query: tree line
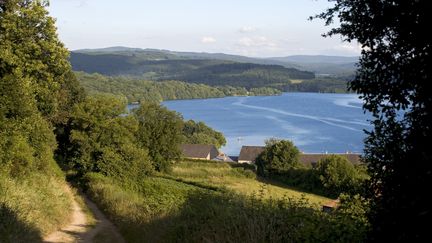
[[332, 175], [138, 90]]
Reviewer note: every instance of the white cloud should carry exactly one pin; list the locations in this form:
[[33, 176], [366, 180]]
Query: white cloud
[[258, 41], [347, 48], [257, 46], [247, 29], [208, 40]]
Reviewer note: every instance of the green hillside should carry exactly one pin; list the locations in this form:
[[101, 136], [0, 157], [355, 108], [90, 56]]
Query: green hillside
[[161, 66], [319, 64]]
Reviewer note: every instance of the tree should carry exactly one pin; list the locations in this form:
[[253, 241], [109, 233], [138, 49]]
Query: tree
[[103, 141], [337, 174], [278, 156], [200, 133], [160, 131], [29, 44], [34, 67], [393, 79]]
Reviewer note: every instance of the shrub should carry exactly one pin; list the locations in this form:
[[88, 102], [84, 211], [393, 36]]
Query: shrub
[[278, 155], [337, 174], [103, 140]]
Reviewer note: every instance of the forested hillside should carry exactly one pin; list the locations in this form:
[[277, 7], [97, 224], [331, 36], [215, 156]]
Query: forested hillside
[[337, 66], [138, 90], [163, 67]]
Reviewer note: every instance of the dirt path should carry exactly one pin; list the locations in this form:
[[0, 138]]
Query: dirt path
[[79, 230]]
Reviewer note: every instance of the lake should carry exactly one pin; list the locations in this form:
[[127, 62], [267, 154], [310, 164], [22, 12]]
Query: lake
[[315, 122]]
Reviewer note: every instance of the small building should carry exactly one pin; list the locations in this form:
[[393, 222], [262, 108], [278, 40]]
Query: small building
[[248, 154], [199, 151]]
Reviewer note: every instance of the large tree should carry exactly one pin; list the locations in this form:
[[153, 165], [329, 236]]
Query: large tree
[[278, 156], [392, 78], [200, 133], [337, 174], [160, 131], [36, 84], [103, 140]]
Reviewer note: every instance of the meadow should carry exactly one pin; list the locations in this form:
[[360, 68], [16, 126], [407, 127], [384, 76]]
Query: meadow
[[32, 206], [215, 202], [240, 179]]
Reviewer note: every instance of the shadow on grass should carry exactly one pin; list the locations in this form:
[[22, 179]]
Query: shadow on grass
[[301, 179], [225, 217], [12, 229], [280, 183]]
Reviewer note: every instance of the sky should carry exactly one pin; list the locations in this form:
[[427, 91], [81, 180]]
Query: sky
[[256, 28]]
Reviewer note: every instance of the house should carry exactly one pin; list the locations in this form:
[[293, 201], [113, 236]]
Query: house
[[199, 151], [248, 154]]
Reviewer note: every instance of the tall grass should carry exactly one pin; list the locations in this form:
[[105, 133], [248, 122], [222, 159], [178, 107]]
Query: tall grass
[[32, 206], [164, 210], [239, 179]]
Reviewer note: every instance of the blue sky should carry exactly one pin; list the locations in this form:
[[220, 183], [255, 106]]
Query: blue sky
[[259, 28]]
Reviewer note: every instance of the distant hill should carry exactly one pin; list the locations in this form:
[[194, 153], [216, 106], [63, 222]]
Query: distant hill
[[319, 64], [166, 65], [317, 59], [322, 65]]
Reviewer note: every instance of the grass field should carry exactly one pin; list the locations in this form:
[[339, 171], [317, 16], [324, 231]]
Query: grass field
[[209, 202], [237, 179], [32, 206]]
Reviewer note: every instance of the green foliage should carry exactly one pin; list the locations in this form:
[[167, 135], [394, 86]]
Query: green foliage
[[102, 140], [246, 75], [160, 131], [206, 71], [357, 208], [26, 145], [200, 133], [33, 69], [162, 210], [332, 176], [393, 79], [37, 90], [30, 50], [337, 174], [143, 90], [278, 155], [321, 85]]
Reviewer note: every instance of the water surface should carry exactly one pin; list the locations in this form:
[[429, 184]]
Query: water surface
[[316, 123]]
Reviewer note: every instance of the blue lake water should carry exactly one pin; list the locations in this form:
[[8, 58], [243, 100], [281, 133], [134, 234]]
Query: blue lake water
[[316, 123]]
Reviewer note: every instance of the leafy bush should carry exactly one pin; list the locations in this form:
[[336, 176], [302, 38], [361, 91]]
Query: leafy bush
[[200, 133], [278, 155], [337, 174], [245, 172], [102, 140]]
